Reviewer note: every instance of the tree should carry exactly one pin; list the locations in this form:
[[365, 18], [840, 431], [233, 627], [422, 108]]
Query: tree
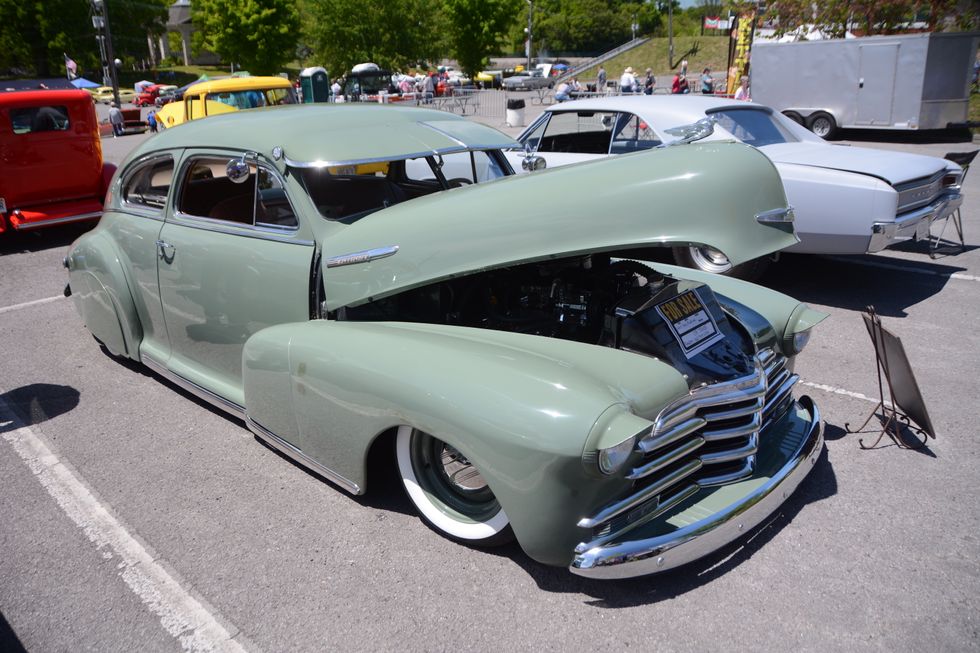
[[476, 28], [590, 25], [35, 35], [391, 33], [836, 17], [259, 35]]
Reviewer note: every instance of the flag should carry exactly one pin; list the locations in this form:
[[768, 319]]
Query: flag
[[71, 68]]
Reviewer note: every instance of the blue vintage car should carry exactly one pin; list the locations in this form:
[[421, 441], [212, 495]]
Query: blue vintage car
[[345, 279]]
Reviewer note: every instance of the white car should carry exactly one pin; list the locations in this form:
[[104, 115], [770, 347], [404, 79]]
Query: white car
[[847, 200]]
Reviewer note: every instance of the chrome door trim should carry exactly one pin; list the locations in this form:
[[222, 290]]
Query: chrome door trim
[[239, 229], [44, 223], [193, 388], [297, 455]]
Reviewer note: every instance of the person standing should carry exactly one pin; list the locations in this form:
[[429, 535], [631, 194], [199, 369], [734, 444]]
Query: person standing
[[600, 81], [707, 82], [649, 82], [335, 89], [151, 120], [627, 82], [742, 92], [116, 120]]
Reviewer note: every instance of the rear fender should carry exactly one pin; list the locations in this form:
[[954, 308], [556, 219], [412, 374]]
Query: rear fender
[[102, 296]]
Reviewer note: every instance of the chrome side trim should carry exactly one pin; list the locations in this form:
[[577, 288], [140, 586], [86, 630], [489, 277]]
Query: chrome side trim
[[193, 388], [277, 234], [289, 450], [776, 216], [653, 555], [46, 223], [362, 257]]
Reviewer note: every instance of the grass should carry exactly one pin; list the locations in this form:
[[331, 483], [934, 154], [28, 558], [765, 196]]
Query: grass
[[700, 51]]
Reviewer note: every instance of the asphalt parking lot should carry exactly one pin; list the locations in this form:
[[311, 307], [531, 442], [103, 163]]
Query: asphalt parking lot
[[135, 517]]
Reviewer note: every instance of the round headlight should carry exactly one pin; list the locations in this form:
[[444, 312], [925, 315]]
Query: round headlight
[[612, 459], [799, 341]]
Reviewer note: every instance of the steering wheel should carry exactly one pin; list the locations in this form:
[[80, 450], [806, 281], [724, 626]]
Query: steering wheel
[[456, 182]]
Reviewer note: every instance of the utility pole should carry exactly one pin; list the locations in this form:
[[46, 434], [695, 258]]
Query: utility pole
[[530, 13], [100, 21], [670, 32]]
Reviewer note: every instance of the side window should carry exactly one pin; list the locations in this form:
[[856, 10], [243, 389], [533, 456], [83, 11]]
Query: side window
[[207, 192], [632, 134], [583, 132], [149, 184], [39, 119], [470, 168]]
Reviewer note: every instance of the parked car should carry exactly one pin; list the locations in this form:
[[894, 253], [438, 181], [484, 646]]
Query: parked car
[[528, 81], [51, 157], [847, 200], [226, 95], [167, 94], [354, 278], [104, 95], [148, 96]]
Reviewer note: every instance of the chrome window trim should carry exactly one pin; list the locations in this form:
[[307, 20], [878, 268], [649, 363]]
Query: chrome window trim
[[263, 232]]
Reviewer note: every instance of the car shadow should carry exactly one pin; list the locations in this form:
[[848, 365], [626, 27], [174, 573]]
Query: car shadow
[[854, 282], [38, 402], [36, 240], [911, 136], [820, 484]]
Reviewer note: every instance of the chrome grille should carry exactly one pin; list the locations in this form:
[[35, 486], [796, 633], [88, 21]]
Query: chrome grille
[[708, 437], [919, 192]]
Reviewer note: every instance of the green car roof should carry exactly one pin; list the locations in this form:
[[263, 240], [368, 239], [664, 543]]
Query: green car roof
[[319, 134]]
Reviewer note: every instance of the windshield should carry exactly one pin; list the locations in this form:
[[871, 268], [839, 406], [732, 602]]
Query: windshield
[[254, 98], [352, 191], [756, 127]]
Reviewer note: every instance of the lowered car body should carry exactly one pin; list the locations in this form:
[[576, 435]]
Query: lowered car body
[[348, 278]]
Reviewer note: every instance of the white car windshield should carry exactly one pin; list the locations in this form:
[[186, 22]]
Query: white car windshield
[[754, 126]]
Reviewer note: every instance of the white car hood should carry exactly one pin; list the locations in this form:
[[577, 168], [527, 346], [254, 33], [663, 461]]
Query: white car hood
[[893, 167]]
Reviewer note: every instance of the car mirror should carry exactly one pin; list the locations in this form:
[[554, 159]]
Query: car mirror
[[238, 170], [532, 163]]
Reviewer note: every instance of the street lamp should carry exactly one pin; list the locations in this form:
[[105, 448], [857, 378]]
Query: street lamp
[[100, 21], [527, 30]]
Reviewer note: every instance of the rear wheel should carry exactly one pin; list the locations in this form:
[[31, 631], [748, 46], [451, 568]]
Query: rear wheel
[[795, 117], [448, 490], [709, 259], [822, 124]]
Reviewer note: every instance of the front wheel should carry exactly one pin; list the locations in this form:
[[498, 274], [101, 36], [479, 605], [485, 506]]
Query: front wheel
[[709, 259], [449, 492]]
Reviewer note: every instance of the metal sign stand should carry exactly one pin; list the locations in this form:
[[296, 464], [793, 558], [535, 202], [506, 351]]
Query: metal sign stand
[[892, 419]]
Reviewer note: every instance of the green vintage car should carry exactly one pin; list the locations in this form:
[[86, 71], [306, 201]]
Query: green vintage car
[[346, 278]]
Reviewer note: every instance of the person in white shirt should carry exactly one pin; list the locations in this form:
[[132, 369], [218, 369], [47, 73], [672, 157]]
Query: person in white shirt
[[742, 92], [627, 83]]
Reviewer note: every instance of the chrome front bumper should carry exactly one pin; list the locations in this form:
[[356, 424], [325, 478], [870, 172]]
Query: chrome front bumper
[[657, 554], [914, 224]]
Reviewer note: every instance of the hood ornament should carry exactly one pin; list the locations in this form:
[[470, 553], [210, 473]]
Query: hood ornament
[[693, 132]]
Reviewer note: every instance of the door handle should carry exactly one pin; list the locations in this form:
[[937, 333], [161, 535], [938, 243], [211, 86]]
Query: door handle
[[165, 250]]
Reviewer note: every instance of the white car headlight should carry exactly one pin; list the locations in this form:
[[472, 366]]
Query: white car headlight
[[611, 459]]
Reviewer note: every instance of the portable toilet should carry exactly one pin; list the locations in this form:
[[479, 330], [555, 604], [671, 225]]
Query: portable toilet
[[315, 84]]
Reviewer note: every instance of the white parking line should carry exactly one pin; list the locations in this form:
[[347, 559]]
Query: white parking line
[[36, 302], [903, 268], [838, 391], [180, 614]]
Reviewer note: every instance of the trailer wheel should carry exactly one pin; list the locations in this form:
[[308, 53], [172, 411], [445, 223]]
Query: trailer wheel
[[822, 124], [795, 117]]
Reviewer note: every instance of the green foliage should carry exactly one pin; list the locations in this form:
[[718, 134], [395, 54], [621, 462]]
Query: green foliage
[[259, 35], [394, 34], [34, 35], [476, 28], [712, 51], [871, 16], [588, 25]]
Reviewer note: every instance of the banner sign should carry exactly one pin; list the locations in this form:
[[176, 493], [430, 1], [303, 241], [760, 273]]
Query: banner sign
[[739, 49]]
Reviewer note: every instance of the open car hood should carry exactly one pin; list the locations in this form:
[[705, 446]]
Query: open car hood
[[892, 167], [705, 193]]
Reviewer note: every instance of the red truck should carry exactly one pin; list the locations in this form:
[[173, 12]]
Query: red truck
[[51, 167]]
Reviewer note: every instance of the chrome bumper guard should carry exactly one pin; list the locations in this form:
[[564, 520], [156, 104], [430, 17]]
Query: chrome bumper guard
[[914, 224], [649, 556]]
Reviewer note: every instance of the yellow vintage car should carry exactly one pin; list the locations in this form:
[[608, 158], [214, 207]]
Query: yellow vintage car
[[226, 95], [103, 94]]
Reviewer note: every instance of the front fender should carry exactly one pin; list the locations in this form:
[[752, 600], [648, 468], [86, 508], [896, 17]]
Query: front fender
[[520, 407]]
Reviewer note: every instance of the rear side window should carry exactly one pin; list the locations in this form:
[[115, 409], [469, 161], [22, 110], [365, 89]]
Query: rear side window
[[39, 119], [149, 184], [585, 132]]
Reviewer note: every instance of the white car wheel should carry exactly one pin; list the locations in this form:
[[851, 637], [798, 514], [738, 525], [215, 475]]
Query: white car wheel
[[448, 491]]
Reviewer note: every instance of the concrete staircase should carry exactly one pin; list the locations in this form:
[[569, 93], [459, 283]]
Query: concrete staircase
[[606, 56]]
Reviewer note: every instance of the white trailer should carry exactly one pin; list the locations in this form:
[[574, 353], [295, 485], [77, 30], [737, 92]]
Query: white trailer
[[912, 81]]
